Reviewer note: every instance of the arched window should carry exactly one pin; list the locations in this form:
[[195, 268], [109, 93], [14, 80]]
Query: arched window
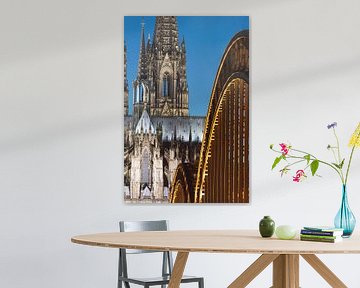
[[145, 167], [166, 85], [141, 92]]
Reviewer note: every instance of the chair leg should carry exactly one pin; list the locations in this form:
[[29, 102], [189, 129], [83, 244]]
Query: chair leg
[[164, 266], [122, 269], [201, 283], [120, 273], [126, 284]]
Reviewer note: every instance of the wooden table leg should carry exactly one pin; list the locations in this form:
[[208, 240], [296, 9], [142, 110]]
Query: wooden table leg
[[286, 271], [324, 271], [253, 270], [178, 269]]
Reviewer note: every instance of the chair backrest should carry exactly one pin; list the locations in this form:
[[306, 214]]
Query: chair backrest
[[135, 226], [132, 226]]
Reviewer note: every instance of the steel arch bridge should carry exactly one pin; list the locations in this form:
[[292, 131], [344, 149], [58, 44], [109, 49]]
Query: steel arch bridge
[[183, 187], [222, 174]]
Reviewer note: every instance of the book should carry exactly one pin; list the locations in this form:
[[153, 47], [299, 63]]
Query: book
[[321, 233], [320, 237], [322, 230], [325, 240]]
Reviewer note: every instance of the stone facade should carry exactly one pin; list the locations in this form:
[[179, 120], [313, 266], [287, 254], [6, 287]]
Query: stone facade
[[160, 134], [126, 87]]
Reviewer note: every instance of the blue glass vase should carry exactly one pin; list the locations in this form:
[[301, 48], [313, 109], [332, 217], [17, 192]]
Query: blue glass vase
[[345, 219]]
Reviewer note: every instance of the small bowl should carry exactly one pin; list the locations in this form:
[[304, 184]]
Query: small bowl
[[285, 232]]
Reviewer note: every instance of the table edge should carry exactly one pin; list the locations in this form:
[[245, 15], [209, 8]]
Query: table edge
[[206, 250]]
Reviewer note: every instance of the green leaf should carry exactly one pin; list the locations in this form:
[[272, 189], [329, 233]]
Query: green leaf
[[271, 146], [336, 165], [342, 163], [276, 162], [307, 157], [339, 166], [314, 167]]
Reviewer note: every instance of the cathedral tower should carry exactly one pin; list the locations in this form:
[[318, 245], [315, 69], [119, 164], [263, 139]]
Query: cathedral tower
[[161, 85], [169, 96], [126, 86], [141, 84], [160, 134]]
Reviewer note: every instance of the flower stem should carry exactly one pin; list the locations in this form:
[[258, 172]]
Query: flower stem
[[333, 152], [339, 156], [338, 146], [304, 152], [338, 171], [312, 159], [296, 162], [348, 168], [320, 161], [350, 159]]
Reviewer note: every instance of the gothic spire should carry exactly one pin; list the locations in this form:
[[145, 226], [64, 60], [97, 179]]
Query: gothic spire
[[183, 45], [126, 85], [148, 45], [142, 55], [142, 44]]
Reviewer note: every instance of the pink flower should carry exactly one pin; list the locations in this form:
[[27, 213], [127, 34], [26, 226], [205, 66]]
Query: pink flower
[[300, 174], [284, 148]]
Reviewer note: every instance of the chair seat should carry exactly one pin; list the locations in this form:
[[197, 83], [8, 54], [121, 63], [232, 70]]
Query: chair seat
[[158, 280]]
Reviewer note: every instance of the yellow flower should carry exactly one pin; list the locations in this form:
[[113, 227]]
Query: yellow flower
[[355, 138]]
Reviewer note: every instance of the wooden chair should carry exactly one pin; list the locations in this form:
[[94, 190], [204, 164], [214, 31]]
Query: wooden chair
[[167, 262]]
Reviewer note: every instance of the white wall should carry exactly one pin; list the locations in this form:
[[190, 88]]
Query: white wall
[[61, 133]]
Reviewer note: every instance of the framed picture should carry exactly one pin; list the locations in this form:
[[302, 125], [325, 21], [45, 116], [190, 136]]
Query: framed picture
[[186, 105]]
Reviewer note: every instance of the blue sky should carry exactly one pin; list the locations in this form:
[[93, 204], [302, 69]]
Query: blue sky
[[206, 38]]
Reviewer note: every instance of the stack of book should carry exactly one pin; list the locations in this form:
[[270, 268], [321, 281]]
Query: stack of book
[[321, 234]]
